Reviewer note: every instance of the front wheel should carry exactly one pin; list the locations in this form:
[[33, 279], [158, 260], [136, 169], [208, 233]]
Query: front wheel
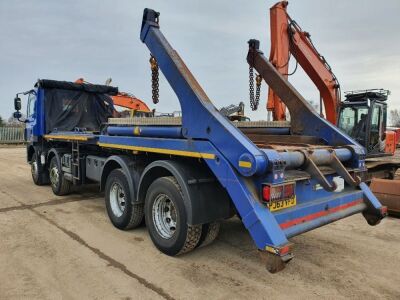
[[59, 184], [39, 175], [166, 218]]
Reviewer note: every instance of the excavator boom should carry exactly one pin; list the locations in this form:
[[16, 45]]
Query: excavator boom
[[279, 56], [287, 38], [129, 101], [354, 116], [125, 100]]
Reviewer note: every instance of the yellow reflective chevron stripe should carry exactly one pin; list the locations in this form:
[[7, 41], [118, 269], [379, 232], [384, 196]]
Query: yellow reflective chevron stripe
[[160, 150], [65, 137]]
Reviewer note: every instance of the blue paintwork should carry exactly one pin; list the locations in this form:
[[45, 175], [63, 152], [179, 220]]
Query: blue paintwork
[[304, 119], [296, 230], [320, 157], [160, 143], [196, 105], [232, 146], [34, 125], [146, 131], [205, 130], [310, 206], [259, 221], [370, 198]]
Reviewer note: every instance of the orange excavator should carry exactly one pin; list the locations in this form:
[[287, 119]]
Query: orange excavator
[[362, 115], [287, 38], [126, 100]]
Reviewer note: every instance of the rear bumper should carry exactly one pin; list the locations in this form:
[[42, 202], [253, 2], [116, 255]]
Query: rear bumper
[[309, 222], [313, 214]]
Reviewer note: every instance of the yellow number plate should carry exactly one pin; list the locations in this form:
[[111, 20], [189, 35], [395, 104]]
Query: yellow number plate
[[281, 204]]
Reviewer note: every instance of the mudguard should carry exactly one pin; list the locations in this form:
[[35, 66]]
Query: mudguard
[[130, 168], [205, 199]]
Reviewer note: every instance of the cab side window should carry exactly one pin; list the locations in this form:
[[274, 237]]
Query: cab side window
[[347, 120], [376, 113], [31, 106]]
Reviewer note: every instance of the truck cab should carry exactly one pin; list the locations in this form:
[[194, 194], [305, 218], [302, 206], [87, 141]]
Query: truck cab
[[33, 120], [363, 117]]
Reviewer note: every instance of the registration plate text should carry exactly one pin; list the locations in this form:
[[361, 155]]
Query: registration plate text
[[281, 204]]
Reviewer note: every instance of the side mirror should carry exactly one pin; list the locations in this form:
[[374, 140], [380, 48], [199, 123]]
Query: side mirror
[[17, 103], [17, 115]]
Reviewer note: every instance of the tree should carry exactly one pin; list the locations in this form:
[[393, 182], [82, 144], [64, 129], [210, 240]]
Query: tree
[[2, 123], [395, 117]]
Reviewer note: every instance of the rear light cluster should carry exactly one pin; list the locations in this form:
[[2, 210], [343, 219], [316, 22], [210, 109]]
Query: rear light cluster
[[278, 192]]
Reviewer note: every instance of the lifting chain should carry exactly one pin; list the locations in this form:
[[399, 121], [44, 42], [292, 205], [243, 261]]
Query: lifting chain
[[254, 98], [154, 79]]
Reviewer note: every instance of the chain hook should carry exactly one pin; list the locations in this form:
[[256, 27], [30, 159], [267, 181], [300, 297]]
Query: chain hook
[[154, 79], [254, 97]]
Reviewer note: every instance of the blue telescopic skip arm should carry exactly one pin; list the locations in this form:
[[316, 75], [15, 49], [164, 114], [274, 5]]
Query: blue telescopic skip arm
[[238, 161], [196, 105], [300, 110], [232, 146], [304, 119]]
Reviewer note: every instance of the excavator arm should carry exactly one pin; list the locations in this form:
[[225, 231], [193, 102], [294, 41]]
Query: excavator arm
[[129, 101], [287, 38]]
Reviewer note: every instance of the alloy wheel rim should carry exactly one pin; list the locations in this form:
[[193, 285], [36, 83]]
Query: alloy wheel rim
[[34, 169], [164, 216], [54, 176], [117, 199]]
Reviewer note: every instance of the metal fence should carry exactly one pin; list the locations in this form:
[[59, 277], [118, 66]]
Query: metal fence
[[11, 135]]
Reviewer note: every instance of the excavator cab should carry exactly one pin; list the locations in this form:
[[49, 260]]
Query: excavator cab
[[363, 117]]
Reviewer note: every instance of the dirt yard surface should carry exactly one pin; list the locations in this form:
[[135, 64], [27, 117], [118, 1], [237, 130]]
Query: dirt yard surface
[[65, 247]]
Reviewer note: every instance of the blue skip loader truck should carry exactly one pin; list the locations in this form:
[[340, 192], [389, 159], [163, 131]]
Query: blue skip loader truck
[[184, 175]]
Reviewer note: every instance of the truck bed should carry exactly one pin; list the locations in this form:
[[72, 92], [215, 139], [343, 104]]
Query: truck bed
[[264, 134]]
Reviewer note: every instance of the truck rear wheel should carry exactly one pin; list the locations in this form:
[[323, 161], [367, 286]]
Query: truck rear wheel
[[122, 212], [39, 175], [59, 184], [209, 233], [166, 218]]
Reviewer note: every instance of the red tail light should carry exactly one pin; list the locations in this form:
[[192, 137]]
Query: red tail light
[[266, 193], [289, 190], [278, 192]]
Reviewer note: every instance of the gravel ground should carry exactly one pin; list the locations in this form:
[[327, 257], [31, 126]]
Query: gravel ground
[[64, 247]]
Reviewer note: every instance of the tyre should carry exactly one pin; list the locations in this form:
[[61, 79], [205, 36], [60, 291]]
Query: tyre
[[120, 209], [39, 175], [59, 184], [166, 218], [209, 233]]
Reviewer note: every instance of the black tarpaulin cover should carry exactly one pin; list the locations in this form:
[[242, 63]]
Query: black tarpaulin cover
[[67, 85], [68, 106]]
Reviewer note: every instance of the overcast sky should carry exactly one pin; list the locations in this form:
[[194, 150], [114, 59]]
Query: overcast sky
[[65, 40]]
